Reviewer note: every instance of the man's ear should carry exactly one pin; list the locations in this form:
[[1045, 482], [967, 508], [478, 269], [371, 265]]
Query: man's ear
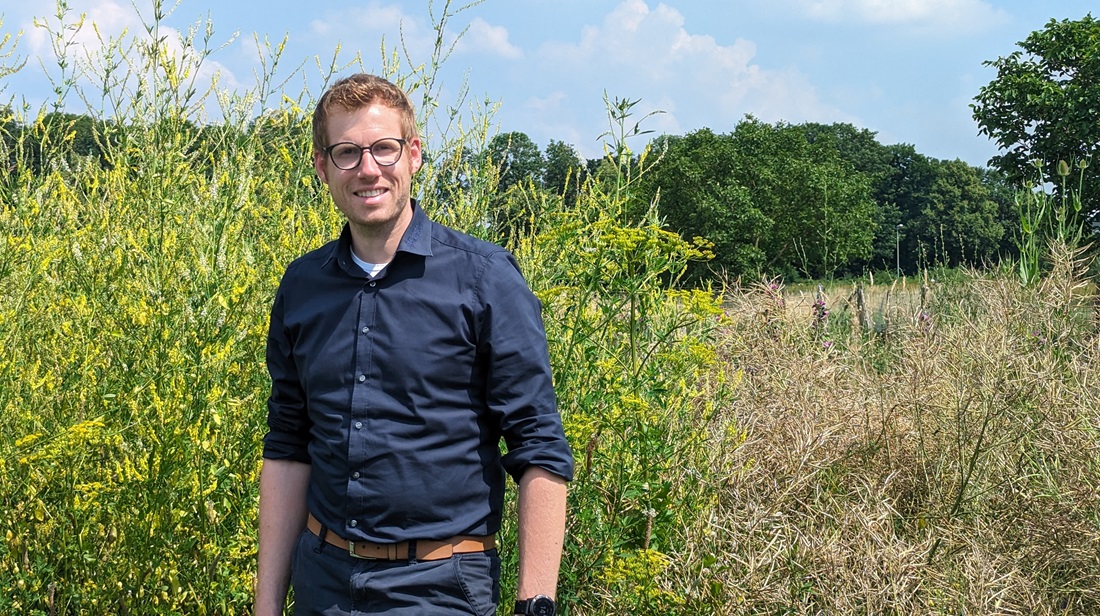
[[415, 160], [319, 166]]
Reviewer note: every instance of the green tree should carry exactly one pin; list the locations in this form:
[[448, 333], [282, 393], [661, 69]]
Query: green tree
[[770, 199], [888, 169], [903, 193], [518, 158], [564, 170], [961, 220], [858, 146], [821, 206], [84, 133], [455, 176], [1042, 105], [1003, 193], [517, 201], [63, 135], [699, 197], [974, 206]]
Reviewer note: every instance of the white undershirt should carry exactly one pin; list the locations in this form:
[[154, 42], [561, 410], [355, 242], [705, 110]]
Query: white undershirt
[[372, 269]]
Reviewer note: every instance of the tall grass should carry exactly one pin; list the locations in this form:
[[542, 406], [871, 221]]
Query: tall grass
[[958, 475], [739, 451]]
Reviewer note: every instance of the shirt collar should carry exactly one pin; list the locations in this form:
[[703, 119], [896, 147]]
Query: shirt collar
[[417, 239]]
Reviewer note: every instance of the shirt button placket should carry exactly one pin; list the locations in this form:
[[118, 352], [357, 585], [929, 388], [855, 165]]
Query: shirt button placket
[[359, 437]]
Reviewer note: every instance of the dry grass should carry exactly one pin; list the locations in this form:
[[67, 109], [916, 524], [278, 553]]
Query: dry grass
[[941, 466]]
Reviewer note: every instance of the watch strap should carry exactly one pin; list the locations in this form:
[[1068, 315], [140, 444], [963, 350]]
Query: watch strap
[[539, 605]]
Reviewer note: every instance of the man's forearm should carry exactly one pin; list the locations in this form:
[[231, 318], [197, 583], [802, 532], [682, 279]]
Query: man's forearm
[[283, 512], [542, 496]]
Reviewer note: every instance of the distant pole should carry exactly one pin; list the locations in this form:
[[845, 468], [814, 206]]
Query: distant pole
[[897, 245]]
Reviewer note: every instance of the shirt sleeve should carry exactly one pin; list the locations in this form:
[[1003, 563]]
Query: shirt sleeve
[[519, 385], [287, 417]]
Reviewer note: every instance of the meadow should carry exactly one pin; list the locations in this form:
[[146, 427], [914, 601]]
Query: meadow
[[743, 448]]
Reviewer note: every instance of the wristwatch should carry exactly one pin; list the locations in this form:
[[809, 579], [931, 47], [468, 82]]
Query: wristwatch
[[539, 605]]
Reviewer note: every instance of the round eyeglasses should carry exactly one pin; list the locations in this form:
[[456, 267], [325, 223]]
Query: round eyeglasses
[[347, 155]]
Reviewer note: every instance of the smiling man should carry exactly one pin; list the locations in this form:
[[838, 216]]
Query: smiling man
[[400, 355]]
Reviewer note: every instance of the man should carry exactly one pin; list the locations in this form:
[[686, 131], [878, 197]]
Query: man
[[400, 354]]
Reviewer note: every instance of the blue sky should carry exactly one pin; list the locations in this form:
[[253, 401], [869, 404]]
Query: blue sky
[[905, 69]]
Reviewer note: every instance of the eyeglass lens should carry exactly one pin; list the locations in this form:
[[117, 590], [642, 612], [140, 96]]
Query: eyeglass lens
[[386, 152]]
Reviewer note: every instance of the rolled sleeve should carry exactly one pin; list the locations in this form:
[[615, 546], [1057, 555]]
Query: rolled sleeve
[[520, 389], [287, 420]]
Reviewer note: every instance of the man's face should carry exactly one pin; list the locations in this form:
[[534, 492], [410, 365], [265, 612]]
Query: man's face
[[374, 198]]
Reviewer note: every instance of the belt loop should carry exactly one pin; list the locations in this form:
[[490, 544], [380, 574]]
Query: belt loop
[[321, 535], [412, 551]]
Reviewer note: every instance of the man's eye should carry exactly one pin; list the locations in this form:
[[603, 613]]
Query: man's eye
[[346, 151]]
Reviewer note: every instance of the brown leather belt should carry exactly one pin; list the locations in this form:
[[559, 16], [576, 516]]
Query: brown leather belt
[[425, 550]]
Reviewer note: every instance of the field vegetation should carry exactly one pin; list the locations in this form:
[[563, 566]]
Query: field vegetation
[[920, 445]]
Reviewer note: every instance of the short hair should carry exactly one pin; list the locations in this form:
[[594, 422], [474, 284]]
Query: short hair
[[356, 92]]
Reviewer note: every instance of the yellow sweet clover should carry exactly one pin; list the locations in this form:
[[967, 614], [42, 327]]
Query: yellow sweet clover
[[635, 579]]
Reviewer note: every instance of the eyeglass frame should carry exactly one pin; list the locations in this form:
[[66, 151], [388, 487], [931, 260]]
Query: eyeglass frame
[[366, 148]]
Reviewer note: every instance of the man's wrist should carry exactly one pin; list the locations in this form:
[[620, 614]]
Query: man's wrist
[[539, 605]]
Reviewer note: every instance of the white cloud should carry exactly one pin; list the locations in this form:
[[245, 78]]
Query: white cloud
[[109, 17], [363, 30], [551, 103], [949, 15], [483, 38], [96, 33], [648, 52]]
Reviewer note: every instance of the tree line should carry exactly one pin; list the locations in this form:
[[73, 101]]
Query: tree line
[[793, 200], [796, 200]]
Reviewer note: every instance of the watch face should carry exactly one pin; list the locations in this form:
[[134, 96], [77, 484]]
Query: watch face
[[542, 606]]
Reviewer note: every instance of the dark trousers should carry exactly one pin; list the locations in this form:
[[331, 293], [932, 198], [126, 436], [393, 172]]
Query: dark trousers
[[328, 581]]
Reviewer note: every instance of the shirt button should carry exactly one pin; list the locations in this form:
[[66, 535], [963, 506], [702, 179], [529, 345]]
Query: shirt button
[[353, 523], [355, 475], [362, 377], [366, 330], [373, 283], [358, 425]]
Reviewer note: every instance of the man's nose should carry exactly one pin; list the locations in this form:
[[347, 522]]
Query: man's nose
[[367, 164]]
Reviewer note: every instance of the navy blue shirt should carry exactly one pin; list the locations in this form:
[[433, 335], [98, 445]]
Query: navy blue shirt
[[398, 389]]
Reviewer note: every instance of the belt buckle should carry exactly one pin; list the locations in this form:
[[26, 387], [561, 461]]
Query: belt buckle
[[352, 552], [390, 548]]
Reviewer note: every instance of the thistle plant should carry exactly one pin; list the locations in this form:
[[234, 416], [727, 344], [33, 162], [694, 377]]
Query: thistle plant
[[1047, 221], [820, 312]]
